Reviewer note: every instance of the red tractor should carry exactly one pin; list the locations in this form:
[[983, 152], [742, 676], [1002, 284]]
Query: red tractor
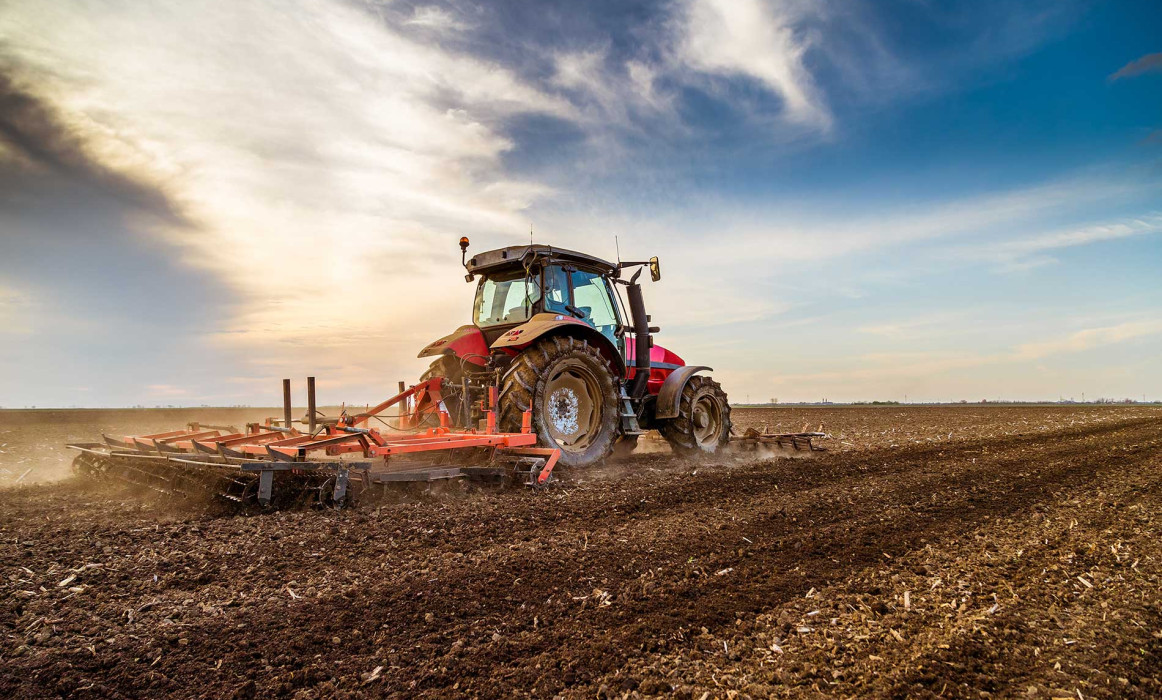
[[549, 360], [551, 331]]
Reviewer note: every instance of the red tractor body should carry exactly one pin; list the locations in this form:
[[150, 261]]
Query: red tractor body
[[562, 335], [468, 345]]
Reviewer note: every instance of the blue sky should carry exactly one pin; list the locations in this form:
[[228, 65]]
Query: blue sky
[[856, 200]]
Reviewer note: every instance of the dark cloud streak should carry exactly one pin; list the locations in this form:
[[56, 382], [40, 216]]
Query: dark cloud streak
[[33, 129], [1150, 63]]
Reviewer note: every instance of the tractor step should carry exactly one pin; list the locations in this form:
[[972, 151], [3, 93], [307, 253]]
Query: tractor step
[[629, 422]]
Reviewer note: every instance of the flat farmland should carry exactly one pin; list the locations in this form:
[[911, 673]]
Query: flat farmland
[[966, 551]]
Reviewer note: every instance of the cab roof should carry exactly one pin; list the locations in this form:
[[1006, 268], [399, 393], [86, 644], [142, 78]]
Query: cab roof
[[517, 255]]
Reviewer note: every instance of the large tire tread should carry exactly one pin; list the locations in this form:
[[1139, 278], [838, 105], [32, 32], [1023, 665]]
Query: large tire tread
[[679, 432], [525, 377]]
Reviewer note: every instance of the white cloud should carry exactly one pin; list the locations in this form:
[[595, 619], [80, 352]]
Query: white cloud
[[790, 233], [438, 18], [755, 39], [1028, 370], [1021, 253], [17, 311], [584, 71], [941, 324], [161, 391], [613, 98], [329, 160], [1089, 338]]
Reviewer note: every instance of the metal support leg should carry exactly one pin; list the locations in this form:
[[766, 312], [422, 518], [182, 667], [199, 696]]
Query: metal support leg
[[265, 486], [286, 403], [341, 486], [311, 404]]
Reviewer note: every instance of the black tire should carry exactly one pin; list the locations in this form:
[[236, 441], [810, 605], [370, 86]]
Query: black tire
[[449, 368], [703, 422], [572, 391]]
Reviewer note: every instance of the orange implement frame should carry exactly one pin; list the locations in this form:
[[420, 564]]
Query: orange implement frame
[[268, 448], [345, 436]]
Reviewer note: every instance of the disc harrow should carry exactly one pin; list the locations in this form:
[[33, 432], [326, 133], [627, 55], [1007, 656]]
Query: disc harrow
[[804, 440], [329, 462]]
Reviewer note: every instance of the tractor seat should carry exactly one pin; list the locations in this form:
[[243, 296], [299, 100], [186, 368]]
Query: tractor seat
[[516, 313]]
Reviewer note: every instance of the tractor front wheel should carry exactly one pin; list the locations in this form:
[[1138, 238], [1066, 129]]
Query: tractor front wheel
[[703, 422], [572, 392]]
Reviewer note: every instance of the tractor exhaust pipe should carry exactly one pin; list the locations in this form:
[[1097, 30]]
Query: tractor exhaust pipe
[[643, 341]]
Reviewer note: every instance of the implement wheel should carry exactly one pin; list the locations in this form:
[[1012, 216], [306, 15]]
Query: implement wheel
[[573, 395], [703, 422]]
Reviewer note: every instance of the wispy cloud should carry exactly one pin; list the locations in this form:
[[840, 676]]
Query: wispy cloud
[[795, 232], [16, 311], [1150, 63], [1023, 253], [760, 41], [1088, 338], [941, 324], [916, 368], [435, 17], [166, 391], [391, 143], [609, 94]]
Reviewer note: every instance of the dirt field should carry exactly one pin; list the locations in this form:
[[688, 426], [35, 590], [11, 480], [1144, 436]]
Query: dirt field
[[955, 552]]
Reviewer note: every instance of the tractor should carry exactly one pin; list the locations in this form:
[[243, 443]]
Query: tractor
[[551, 334], [549, 372]]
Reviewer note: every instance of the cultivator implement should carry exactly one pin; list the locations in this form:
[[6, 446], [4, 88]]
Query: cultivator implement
[[328, 460], [752, 439]]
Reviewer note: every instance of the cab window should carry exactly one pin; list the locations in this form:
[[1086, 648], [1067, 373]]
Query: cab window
[[590, 296], [556, 290], [506, 298]]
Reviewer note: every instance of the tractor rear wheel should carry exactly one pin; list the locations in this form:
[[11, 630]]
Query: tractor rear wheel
[[572, 392], [703, 422]]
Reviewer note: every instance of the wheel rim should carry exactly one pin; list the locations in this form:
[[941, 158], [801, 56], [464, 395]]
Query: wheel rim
[[706, 418], [572, 406]]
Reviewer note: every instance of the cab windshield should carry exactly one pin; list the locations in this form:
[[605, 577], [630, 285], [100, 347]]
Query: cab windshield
[[506, 298], [591, 298]]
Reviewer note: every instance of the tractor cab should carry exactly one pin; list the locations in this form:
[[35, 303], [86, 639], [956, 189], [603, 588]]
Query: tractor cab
[[520, 282]]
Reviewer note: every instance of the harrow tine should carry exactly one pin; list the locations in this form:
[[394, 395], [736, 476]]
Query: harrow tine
[[119, 444]]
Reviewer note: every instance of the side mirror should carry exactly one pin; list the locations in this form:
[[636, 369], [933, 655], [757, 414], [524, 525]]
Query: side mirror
[[655, 269]]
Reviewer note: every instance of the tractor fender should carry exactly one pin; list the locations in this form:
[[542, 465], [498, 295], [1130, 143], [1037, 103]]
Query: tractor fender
[[547, 324], [467, 342], [670, 395]]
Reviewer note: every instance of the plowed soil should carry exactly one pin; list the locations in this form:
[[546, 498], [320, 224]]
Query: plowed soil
[[952, 552]]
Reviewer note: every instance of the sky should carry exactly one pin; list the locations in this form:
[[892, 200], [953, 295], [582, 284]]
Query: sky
[[858, 200]]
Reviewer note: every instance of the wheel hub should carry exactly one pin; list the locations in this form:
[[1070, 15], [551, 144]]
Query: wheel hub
[[563, 410], [706, 417], [572, 406]]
